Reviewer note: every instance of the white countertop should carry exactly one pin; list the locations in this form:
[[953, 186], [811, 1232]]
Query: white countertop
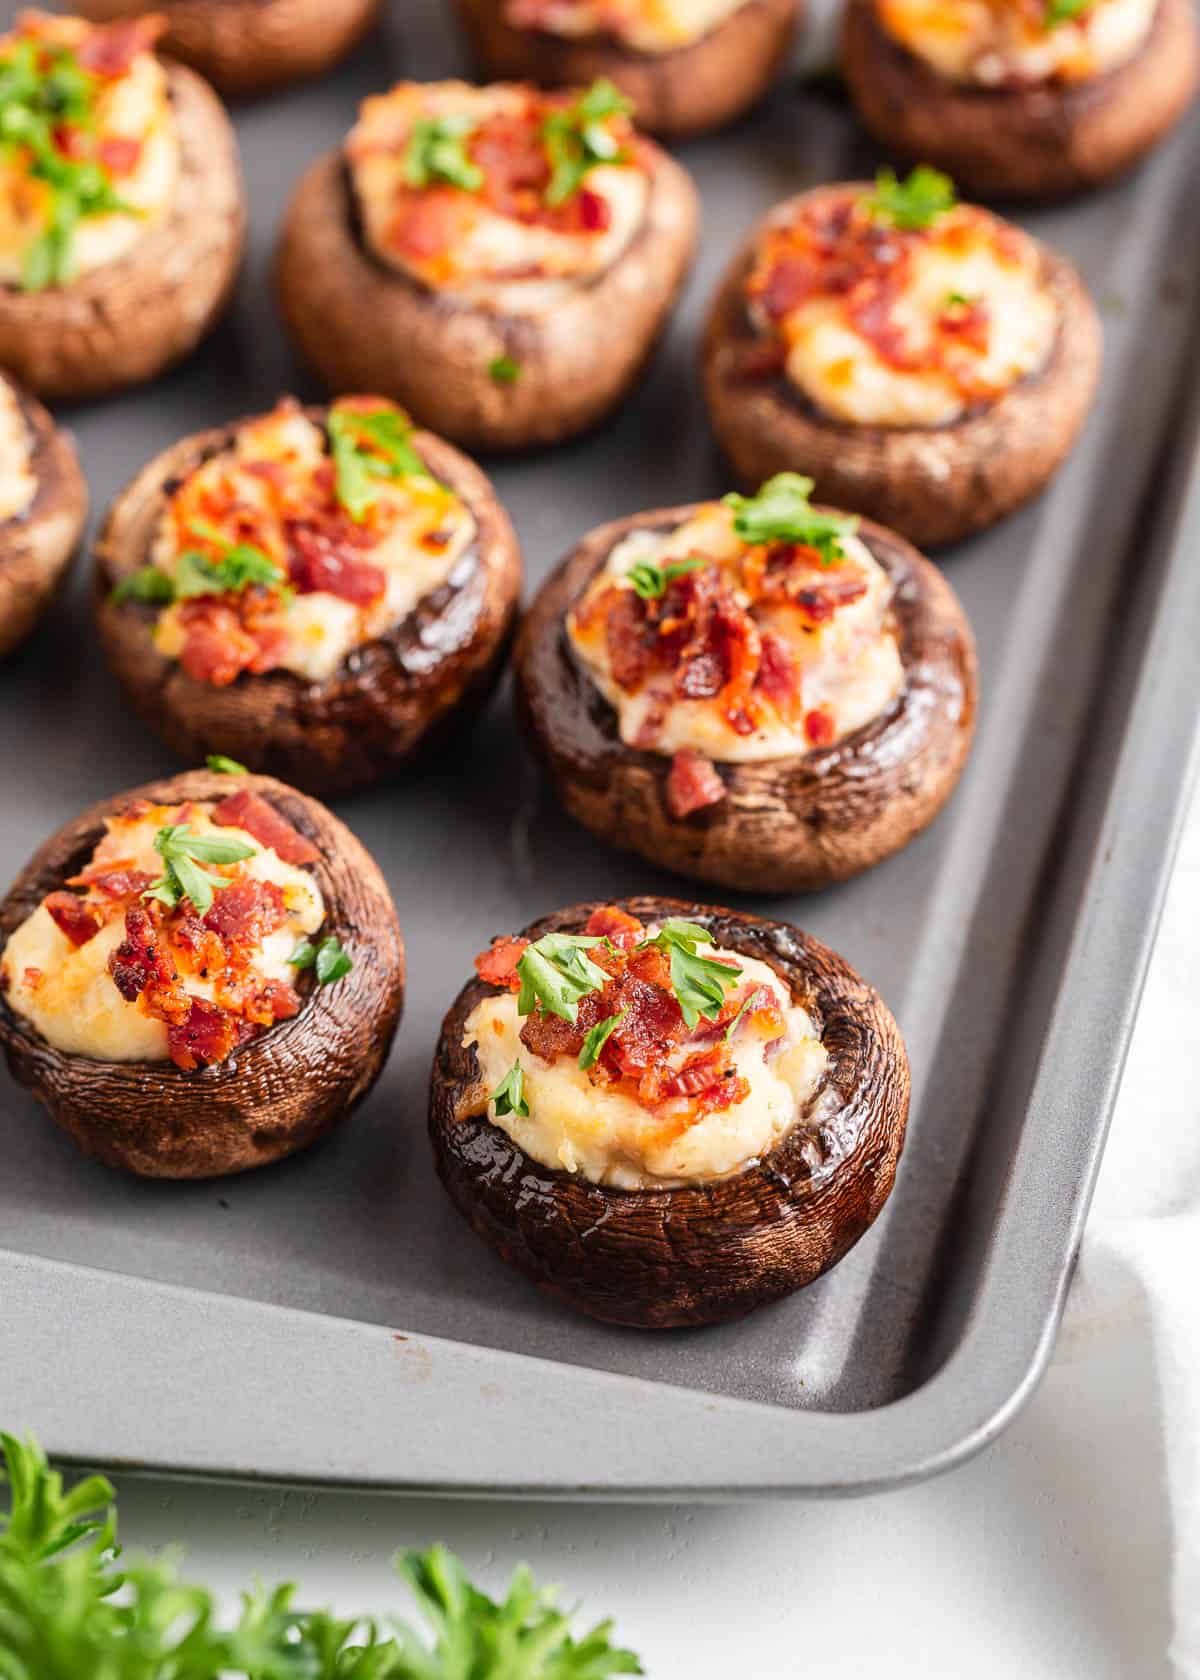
[[1047, 1557]]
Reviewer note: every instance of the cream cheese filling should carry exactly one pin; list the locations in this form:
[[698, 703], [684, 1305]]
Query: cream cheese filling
[[321, 629], [65, 990], [649, 26], [480, 257], [850, 666], [18, 482], [607, 1137], [994, 42]]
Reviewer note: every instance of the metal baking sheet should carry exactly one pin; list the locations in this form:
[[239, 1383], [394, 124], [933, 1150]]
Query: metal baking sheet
[[331, 1318]]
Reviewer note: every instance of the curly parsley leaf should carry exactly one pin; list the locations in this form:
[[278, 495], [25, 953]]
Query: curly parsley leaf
[[650, 581], [782, 512], [556, 972], [699, 983], [509, 1095], [733, 1025], [240, 567], [597, 1037], [182, 853], [327, 958], [367, 447], [577, 139], [437, 152], [223, 766], [148, 584], [915, 203]]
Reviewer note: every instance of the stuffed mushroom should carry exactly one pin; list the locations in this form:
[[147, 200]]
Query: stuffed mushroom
[[498, 260], [317, 592], [757, 692], [43, 505], [688, 65], [666, 1114], [121, 208], [928, 364], [247, 46], [199, 976], [1024, 98]]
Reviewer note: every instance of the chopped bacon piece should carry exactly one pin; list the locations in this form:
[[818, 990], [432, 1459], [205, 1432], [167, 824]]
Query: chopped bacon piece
[[425, 225], [111, 50], [74, 916], [205, 1035], [113, 883], [819, 726], [624, 633], [199, 947], [316, 563], [595, 215], [618, 926], [498, 965], [252, 812], [777, 672], [245, 912], [692, 783], [119, 154], [139, 962], [216, 649], [273, 1001], [71, 141]]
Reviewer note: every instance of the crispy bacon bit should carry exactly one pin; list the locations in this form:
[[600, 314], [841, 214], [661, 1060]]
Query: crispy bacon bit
[[244, 913], [110, 51], [113, 883], [31, 978], [273, 1001], [498, 965], [206, 1034], [819, 726], [220, 642], [617, 926], [74, 916], [777, 675], [317, 561], [251, 812], [140, 964], [709, 1070], [692, 783]]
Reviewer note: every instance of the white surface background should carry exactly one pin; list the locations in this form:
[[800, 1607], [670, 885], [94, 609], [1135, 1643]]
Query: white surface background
[[1049, 1556]]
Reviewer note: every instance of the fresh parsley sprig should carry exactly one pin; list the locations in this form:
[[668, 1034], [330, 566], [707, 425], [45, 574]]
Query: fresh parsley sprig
[[366, 448], [577, 139], [240, 566], [597, 1037], [699, 983], [222, 766], [650, 581], [556, 972], [782, 512], [509, 1095], [326, 958], [183, 853], [437, 152], [70, 1608], [915, 203]]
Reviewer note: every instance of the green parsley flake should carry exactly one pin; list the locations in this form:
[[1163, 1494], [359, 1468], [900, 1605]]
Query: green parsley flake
[[223, 766], [437, 152], [699, 983], [367, 447], [504, 370], [1065, 11], [556, 972], [183, 853], [915, 203], [782, 512], [597, 1037], [577, 139], [326, 958], [509, 1095], [650, 581]]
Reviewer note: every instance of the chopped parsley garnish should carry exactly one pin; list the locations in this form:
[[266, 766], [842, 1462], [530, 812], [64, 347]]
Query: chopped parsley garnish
[[504, 370], [509, 1095], [597, 1037], [915, 203], [556, 972], [1064, 11], [367, 447], [223, 766], [733, 1025], [239, 567], [577, 140], [957, 300], [782, 512], [699, 983], [148, 584], [44, 89], [183, 853], [651, 581], [326, 958], [437, 152]]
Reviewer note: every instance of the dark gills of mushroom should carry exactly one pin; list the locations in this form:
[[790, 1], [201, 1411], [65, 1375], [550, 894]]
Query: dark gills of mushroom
[[646, 26], [999, 44], [181, 938], [298, 544], [97, 158], [499, 196], [760, 628], [898, 306], [641, 1056], [18, 482]]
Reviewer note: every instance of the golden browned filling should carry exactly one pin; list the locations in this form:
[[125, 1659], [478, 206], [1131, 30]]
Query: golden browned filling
[[649, 26], [18, 482], [1019, 43]]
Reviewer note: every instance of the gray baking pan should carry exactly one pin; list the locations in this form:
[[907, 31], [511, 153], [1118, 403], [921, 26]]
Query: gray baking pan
[[331, 1318]]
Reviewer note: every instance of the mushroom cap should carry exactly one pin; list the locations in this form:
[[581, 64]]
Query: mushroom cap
[[127, 320], [390, 697], [37, 547], [703, 1253], [785, 825], [934, 484], [1043, 142], [692, 90], [280, 1091], [434, 355], [247, 46]]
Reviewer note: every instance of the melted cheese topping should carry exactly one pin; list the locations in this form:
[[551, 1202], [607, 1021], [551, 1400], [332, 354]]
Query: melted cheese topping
[[131, 114], [609, 1138], [849, 667], [66, 991], [649, 26], [459, 243], [419, 530], [997, 43], [18, 483], [968, 270]]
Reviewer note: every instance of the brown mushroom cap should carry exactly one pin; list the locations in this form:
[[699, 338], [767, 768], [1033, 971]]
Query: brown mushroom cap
[[787, 824], [709, 1252], [279, 1092], [1034, 142], [390, 696], [696, 88], [433, 355], [935, 484], [38, 545], [247, 46], [126, 321]]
